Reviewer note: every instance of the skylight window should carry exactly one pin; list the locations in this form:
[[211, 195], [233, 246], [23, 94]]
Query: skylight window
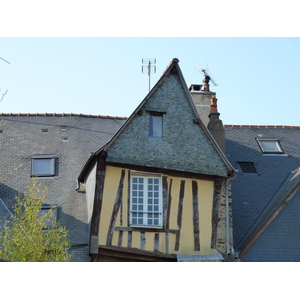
[[42, 165], [247, 167], [270, 146]]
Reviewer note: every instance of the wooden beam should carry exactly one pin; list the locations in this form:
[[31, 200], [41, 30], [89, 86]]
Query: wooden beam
[[98, 197], [146, 229], [156, 242], [174, 173], [165, 200], [142, 240], [196, 216], [120, 239], [129, 239], [179, 214], [128, 197], [169, 205]]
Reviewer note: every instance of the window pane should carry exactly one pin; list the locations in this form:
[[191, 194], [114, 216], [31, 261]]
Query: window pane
[[155, 126], [145, 199], [270, 146], [42, 166]]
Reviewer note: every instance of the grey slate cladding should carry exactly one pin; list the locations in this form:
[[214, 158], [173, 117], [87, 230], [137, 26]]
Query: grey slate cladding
[[22, 137], [184, 146]]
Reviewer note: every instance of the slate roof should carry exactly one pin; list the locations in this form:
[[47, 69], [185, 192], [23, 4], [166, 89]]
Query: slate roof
[[256, 195], [70, 137]]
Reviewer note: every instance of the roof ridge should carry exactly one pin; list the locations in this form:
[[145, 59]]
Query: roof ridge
[[62, 115], [262, 126]]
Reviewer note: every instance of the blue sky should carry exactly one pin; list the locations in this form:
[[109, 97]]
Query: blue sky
[[258, 78]]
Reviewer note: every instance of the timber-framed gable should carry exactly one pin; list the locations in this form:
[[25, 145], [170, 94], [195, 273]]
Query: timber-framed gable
[[159, 182]]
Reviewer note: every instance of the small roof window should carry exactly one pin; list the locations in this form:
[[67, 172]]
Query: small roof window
[[270, 146], [247, 167], [42, 165]]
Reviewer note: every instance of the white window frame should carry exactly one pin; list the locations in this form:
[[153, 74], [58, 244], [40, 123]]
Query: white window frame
[[36, 158], [275, 142], [146, 209]]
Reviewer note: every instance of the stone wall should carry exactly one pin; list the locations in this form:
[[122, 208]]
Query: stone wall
[[221, 235]]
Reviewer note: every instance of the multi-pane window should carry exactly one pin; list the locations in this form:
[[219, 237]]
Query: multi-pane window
[[42, 165], [146, 201], [271, 146]]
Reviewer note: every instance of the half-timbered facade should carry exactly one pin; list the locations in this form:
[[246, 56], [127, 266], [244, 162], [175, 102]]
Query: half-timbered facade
[[159, 189]]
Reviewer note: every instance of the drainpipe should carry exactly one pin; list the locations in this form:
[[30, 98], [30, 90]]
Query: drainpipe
[[227, 214]]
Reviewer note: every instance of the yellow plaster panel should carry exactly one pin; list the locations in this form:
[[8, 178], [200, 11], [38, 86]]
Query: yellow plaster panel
[[149, 241], [112, 179], [175, 200], [187, 228], [136, 239], [205, 196]]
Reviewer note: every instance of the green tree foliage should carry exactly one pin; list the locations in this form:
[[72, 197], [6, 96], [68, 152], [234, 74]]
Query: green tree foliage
[[26, 237]]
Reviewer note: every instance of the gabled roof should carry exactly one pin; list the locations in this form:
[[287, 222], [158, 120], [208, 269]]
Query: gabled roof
[[254, 195], [157, 99]]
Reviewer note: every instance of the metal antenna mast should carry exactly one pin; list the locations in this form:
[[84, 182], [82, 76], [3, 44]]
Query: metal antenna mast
[[5, 60], [149, 67]]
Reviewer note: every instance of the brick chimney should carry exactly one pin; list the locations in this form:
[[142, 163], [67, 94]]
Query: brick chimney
[[215, 125]]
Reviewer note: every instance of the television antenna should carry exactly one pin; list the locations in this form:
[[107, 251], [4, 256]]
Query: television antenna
[[149, 67], [207, 79], [5, 60]]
